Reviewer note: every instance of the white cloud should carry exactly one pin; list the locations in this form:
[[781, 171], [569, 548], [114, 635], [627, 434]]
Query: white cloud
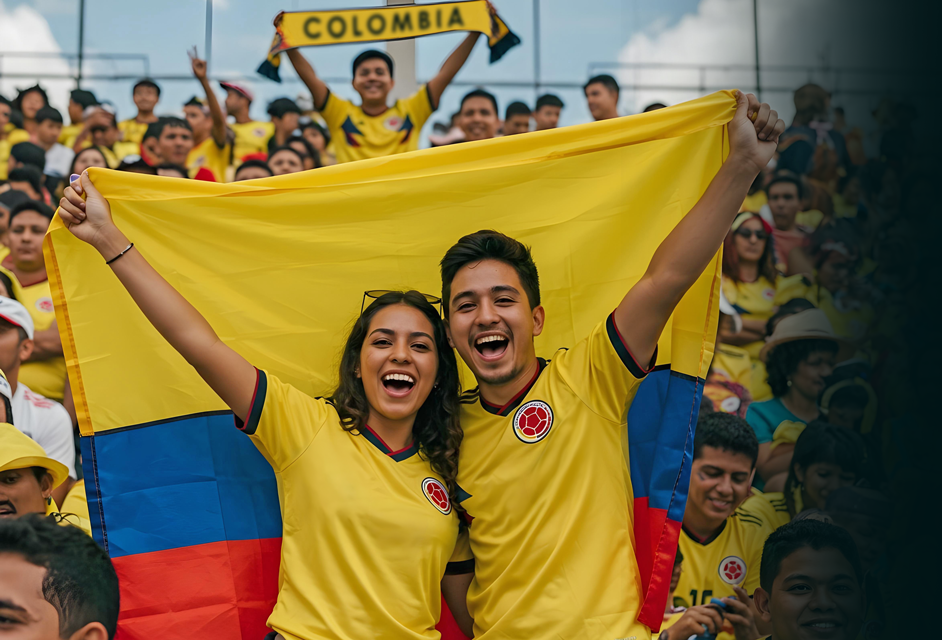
[[24, 30], [806, 33]]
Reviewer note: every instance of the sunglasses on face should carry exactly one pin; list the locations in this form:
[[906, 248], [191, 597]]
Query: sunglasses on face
[[379, 293], [748, 233]]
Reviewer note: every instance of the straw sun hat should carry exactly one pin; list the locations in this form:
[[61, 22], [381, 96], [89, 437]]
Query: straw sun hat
[[811, 324]]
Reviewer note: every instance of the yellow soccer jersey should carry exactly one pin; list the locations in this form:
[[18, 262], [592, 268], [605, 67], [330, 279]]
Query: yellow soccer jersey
[[133, 131], [69, 133], [767, 507], [45, 377], [250, 137], [732, 557], [355, 135], [368, 532], [4, 158], [210, 155], [545, 482]]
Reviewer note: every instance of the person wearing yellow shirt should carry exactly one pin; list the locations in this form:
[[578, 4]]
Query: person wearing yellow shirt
[[44, 373], [368, 558], [146, 95], [101, 130], [80, 101], [722, 546], [212, 147], [251, 136], [27, 102], [373, 129], [285, 117], [5, 128]]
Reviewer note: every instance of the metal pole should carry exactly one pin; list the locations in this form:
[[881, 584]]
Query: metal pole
[[208, 53], [755, 25], [536, 45], [81, 43]]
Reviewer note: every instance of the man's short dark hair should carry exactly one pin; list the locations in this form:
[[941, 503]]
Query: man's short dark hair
[[608, 81], [654, 106], [173, 167], [313, 124], [548, 100], [258, 164], [146, 82], [516, 109], [48, 113], [41, 208], [83, 98], [370, 54], [479, 93], [491, 245], [80, 581], [799, 534], [11, 198], [29, 154], [278, 107], [29, 174], [789, 178], [309, 149], [156, 129], [727, 432]]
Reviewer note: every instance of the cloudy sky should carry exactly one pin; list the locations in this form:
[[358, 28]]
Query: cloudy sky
[[577, 39]]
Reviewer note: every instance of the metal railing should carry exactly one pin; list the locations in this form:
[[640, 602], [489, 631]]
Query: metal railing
[[72, 58]]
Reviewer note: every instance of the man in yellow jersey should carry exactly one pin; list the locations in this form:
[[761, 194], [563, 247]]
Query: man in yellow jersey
[[212, 146], [251, 136], [44, 372], [101, 130], [146, 95], [285, 118], [5, 127], [8, 200], [477, 116], [722, 545], [543, 476], [170, 141], [79, 101], [374, 129]]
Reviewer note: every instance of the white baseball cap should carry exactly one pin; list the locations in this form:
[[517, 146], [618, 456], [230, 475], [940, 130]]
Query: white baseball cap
[[17, 315]]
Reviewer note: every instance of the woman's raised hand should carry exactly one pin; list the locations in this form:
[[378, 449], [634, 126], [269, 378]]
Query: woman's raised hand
[[89, 218]]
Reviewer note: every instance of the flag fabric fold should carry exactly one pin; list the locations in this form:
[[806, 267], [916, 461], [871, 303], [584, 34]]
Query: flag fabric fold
[[182, 501], [317, 28]]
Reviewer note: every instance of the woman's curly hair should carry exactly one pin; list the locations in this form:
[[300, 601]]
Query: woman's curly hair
[[437, 430], [785, 358]]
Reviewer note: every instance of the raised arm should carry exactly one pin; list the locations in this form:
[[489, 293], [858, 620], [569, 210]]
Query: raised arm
[[219, 119], [225, 371], [686, 251], [453, 64], [314, 84]]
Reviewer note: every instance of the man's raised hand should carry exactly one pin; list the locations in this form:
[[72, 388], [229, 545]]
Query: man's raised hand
[[199, 66], [753, 132]]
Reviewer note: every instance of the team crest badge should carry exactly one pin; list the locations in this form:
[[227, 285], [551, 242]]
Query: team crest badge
[[768, 294], [437, 494], [732, 570], [533, 421], [45, 305], [392, 123]]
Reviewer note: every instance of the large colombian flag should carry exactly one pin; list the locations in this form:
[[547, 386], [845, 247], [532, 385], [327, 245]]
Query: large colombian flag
[[184, 503]]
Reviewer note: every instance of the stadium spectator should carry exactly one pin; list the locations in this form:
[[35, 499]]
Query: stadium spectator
[[319, 138], [799, 355], [8, 200], [136, 164], [251, 136], [48, 130], [759, 387], [44, 421], [478, 115], [27, 475], [312, 159], [212, 141], [169, 141], [784, 192], [443, 135], [252, 169], [27, 102], [88, 157], [285, 117], [101, 131], [172, 171], [825, 458], [146, 95], [601, 94], [5, 127], [654, 106], [27, 154], [730, 374], [811, 583], [811, 138], [29, 180], [738, 618], [44, 370], [516, 119], [374, 129], [80, 102], [546, 113], [285, 160], [55, 582], [722, 546]]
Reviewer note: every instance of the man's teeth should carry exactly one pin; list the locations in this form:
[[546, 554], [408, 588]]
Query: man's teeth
[[489, 339], [398, 376]]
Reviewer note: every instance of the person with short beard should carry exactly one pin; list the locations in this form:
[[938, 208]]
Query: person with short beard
[[477, 116], [374, 129]]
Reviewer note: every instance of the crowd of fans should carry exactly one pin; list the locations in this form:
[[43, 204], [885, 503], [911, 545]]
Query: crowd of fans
[[791, 475]]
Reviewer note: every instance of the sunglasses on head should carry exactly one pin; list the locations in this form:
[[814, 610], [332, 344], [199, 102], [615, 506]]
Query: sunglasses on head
[[760, 234], [379, 293]]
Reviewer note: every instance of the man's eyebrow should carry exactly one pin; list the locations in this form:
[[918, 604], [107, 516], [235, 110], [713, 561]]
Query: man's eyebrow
[[501, 288], [9, 604], [801, 576]]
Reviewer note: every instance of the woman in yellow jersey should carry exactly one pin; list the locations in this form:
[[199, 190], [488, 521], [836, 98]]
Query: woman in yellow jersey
[[366, 478]]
